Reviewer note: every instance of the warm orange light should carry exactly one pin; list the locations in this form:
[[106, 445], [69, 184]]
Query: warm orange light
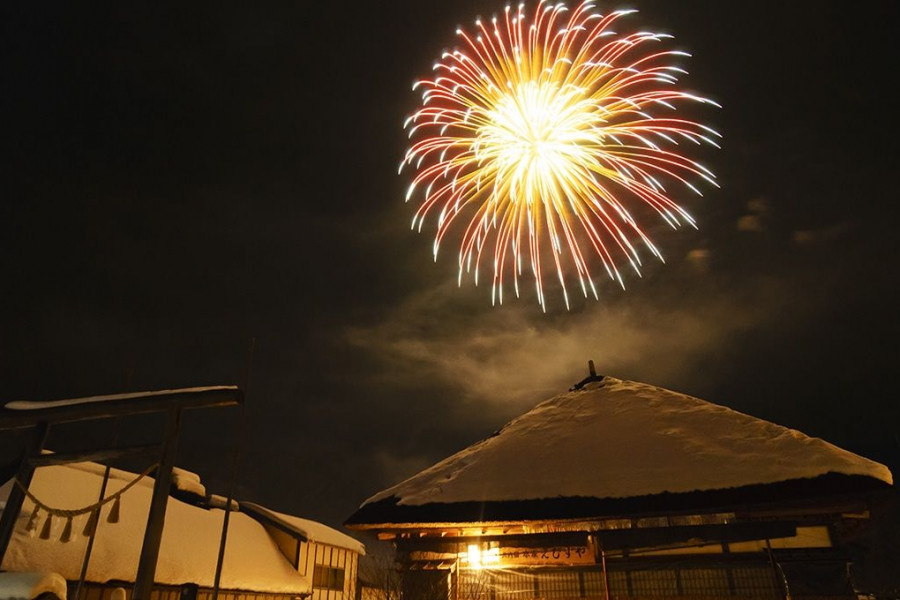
[[474, 557], [478, 559]]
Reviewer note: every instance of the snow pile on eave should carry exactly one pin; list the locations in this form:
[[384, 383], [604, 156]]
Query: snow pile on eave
[[25, 586], [311, 530], [188, 550], [622, 439], [186, 481]]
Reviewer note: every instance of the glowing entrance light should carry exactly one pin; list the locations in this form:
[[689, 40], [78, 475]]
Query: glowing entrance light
[[478, 559], [474, 557]]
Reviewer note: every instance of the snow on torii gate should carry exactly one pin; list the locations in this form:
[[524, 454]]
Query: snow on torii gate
[[41, 415]]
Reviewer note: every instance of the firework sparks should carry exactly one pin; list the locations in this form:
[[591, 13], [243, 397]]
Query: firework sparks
[[542, 131]]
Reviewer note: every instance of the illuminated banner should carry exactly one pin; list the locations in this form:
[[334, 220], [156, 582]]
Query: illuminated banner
[[556, 555], [501, 557]]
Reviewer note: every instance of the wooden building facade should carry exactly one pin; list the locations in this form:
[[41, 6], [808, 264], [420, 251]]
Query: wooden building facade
[[485, 525], [763, 554]]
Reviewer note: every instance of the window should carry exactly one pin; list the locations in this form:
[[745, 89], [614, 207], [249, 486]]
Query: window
[[328, 578]]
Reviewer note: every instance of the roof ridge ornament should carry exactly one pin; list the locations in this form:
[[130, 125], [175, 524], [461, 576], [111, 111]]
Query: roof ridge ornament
[[592, 377]]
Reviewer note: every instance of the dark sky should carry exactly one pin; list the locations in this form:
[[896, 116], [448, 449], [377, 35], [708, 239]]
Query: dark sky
[[180, 179]]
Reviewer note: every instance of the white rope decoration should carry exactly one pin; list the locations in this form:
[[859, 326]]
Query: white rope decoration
[[70, 513]]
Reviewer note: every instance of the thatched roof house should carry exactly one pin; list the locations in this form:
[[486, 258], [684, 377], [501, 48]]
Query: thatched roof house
[[602, 482]]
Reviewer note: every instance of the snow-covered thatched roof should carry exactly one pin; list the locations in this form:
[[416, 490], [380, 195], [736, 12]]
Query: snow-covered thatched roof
[[617, 439], [189, 547]]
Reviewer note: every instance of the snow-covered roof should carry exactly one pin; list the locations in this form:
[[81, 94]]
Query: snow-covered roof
[[310, 530], [188, 550], [622, 439]]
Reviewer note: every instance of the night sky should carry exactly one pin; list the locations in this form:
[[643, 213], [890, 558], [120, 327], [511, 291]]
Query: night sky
[[178, 180]]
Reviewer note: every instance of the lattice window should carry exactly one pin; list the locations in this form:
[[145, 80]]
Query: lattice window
[[328, 578], [594, 588], [537, 584], [755, 581], [563, 584], [513, 586], [704, 582], [662, 582]]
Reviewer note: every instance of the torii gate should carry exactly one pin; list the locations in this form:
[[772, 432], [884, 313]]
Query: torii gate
[[42, 415]]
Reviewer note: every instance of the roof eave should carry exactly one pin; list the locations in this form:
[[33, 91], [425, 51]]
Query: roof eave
[[832, 492]]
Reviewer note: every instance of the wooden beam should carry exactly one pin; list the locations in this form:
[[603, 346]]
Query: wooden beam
[[99, 455], [143, 584], [614, 539], [117, 406], [531, 540]]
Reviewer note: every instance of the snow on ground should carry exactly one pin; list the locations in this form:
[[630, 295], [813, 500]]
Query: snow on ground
[[620, 439], [29, 405], [311, 530], [25, 586], [189, 545]]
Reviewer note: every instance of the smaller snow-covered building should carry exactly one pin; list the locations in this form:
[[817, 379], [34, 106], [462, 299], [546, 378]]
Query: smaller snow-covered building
[[257, 565], [330, 558], [626, 490]]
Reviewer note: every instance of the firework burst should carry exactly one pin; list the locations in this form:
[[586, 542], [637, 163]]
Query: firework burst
[[541, 132]]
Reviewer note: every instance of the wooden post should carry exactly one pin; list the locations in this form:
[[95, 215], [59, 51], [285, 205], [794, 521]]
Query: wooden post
[[605, 573], [232, 481], [779, 574], [16, 494], [143, 584], [454, 580], [90, 545]]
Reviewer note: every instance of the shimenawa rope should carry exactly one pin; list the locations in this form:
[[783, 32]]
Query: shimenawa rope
[[70, 513]]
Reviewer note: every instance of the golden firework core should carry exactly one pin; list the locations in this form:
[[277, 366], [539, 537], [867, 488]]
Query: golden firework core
[[532, 134]]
